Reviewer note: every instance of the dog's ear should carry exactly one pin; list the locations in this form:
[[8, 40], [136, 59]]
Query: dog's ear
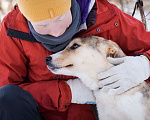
[[108, 47], [114, 50]]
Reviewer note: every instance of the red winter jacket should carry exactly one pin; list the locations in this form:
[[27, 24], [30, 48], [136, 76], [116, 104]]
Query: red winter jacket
[[22, 62]]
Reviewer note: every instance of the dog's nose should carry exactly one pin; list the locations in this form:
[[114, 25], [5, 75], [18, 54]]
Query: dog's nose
[[48, 60]]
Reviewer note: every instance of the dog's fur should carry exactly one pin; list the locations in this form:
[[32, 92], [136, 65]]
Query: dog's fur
[[85, 58]]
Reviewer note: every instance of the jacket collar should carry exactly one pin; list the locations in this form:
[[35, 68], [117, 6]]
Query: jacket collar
[[104, 8]]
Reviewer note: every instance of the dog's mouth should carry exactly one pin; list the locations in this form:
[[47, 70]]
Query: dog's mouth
[[54, 68], [70, 65]]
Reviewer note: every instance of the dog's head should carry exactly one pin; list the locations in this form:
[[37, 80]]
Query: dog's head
[[85, 58]]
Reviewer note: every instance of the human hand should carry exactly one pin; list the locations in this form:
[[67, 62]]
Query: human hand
[[80, 93], [128, 72]]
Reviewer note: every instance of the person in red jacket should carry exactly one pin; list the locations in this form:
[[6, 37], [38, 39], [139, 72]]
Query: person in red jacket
[[36, 29]]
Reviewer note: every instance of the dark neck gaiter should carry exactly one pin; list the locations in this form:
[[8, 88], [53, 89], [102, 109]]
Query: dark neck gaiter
[[56, 44]]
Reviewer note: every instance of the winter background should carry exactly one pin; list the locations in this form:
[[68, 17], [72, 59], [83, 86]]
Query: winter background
[[126, 6]]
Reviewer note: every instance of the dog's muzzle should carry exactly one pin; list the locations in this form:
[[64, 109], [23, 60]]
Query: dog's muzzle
[[53, 66], [49, 64], [48, 60]]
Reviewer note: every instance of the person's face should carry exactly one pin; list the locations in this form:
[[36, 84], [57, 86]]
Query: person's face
[[54, 27]]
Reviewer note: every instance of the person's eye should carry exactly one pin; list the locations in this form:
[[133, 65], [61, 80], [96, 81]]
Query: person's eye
[[74, 46]]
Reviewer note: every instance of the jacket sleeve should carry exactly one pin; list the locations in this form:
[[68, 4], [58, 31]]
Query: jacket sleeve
[[50, 95]]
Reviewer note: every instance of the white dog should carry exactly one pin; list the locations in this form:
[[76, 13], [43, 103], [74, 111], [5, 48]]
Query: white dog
[[86, 58]]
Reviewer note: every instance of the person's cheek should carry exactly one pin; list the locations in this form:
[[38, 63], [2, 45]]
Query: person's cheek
[[38, 30]]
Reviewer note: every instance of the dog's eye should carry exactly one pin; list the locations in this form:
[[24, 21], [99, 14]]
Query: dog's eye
[[74, 46]]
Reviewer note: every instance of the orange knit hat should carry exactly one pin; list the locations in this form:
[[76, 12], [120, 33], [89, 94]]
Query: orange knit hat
[[38, 10]]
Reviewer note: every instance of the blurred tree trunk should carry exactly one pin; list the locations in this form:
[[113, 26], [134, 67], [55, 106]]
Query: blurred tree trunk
[[140, 5], [0, 9], [122, 5]]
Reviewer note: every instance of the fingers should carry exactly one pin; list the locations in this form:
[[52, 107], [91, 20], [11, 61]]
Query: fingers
[[113, 89], [109, 81], [115, 61], [114, 85], [116, 91], [122, 87], [109, 73]]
